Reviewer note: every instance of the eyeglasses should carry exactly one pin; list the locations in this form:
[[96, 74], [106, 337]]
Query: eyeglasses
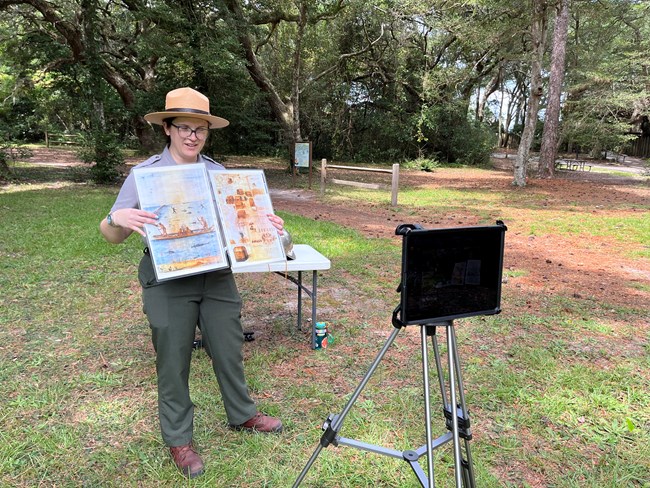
[[184, 131]]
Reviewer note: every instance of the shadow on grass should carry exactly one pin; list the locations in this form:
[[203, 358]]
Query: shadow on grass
[[37, 173]]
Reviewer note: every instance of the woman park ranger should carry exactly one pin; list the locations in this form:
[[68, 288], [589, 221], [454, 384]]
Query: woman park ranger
[[175, 307]]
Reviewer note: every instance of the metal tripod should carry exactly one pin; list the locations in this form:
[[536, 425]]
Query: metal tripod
[[455, 412]]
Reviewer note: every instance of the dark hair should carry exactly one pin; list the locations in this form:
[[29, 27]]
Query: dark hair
[[168, 122]]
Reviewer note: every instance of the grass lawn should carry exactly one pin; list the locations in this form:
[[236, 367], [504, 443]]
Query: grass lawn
[[558, 393]]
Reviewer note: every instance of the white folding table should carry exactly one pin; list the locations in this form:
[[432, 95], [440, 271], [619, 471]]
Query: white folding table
[[307, 259]]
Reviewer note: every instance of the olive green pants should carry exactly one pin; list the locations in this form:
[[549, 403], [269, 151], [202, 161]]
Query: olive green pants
[[174, 308]]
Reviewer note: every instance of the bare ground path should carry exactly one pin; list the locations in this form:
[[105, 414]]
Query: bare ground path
[[572, 264]]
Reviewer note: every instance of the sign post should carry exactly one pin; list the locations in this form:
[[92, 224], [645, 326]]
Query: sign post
[[302, 157]]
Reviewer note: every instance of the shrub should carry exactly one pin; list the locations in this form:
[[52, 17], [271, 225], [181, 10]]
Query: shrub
[[104, 152], [447, 131], [11, 152], [423, 164]]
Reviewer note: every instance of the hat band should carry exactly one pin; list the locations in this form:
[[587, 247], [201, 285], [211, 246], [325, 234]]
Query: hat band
[[188, 110]]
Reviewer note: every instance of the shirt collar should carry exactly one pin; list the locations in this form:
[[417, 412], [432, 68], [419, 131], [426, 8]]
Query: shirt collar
[[168, 160]]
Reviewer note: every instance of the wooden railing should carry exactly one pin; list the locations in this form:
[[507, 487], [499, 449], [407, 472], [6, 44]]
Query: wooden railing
[[325, 168], [55, 139]]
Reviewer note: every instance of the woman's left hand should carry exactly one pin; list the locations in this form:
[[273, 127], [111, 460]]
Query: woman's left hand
[[277, 222]]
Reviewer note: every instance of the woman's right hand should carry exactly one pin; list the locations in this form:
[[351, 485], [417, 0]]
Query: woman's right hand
[[133, 219]]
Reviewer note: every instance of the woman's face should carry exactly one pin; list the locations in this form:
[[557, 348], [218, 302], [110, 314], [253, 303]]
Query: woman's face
[[185, 148]]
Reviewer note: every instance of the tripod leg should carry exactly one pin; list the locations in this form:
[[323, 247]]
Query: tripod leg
[[453, 411], [454, 417], [427, 402], [441, 379], [468, 466], [332, 428], [389, 342], [311, 461]]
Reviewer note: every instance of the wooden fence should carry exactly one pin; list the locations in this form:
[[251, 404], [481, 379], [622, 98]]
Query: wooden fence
[[62, 139], [324, 168], [639, 148]]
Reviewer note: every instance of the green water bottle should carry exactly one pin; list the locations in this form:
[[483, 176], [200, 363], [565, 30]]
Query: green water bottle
[[321, 335]]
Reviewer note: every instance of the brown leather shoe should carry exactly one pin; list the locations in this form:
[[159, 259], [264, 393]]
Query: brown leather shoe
[[187, 460], [261, 423]]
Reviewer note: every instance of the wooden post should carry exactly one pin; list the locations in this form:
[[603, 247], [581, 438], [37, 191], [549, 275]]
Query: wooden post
[[47, 140], [323, 175], [310, 164], [292, 163], [394, 185]]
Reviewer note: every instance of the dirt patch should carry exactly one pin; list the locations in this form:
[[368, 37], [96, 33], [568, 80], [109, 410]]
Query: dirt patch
[[58, 157], [592, 268]]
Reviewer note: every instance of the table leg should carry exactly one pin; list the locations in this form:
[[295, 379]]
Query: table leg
[[299, 300], [314, 286], [311, 294]]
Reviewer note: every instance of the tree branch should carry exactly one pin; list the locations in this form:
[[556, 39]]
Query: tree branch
[[342, 58], [69, 31]]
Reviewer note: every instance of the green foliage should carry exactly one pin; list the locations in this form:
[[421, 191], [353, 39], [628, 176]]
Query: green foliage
[[591, 125], [378, 82], [10, 153], [424, 164], [607, 81], [446, 131], [104, 152]]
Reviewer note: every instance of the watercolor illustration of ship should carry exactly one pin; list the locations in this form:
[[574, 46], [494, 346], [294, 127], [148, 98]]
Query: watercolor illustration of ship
[[183, 230]]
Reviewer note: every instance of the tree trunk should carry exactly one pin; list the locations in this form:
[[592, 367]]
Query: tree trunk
[[551, 134], [282, 112], [295, 77], [501, 129], [538, 35], [490, 88]]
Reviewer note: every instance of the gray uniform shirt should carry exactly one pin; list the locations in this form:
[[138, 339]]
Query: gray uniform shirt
[[128, 196]]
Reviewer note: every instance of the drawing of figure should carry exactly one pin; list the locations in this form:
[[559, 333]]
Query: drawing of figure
[[204, 223]]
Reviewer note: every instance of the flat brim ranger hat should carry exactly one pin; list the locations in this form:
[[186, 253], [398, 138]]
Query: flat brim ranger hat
[[186, 102]]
